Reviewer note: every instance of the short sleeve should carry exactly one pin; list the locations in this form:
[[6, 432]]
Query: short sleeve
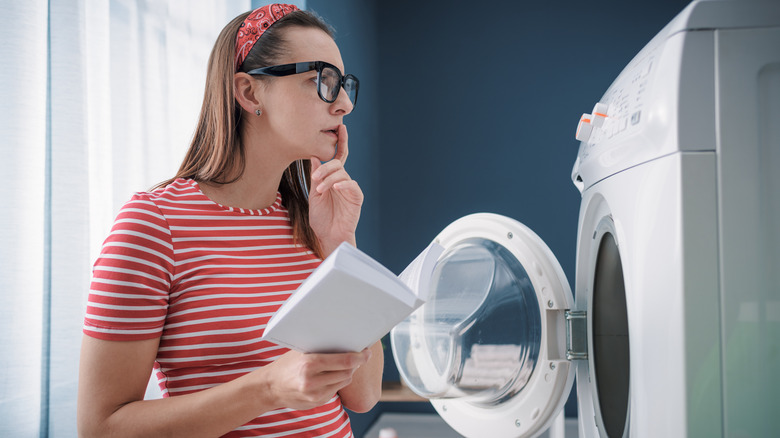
[[131, 279]]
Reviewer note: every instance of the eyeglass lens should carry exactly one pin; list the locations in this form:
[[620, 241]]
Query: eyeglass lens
[[330, 79]]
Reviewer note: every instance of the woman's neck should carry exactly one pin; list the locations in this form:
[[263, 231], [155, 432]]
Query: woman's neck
[[258, 184]]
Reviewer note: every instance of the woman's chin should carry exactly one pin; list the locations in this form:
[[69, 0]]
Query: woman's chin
[[326, 154]]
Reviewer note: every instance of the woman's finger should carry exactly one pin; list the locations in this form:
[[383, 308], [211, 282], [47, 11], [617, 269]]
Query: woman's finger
[[342, 145], [326, 169], [351, 190], [315, 164], [331, 179]]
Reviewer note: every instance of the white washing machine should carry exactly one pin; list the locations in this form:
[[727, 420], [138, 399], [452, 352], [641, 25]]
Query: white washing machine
[[674, 327]]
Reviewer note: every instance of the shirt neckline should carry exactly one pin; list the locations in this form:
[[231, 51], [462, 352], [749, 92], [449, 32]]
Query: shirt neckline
[[277, 204]]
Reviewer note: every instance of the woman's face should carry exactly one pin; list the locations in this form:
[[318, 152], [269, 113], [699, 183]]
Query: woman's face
[[300, 123]]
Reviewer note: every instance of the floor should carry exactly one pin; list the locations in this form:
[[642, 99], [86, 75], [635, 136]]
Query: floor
[[432, 426]]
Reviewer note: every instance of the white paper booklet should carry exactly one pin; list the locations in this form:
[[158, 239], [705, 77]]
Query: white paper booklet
[[350, 301]]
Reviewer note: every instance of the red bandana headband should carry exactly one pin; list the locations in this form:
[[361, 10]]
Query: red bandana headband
[[255, 24]]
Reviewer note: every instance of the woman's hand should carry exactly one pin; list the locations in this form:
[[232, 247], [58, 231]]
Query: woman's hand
[[335, 199], [304, 381]]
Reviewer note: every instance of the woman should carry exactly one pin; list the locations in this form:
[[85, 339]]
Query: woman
[[193, 270]]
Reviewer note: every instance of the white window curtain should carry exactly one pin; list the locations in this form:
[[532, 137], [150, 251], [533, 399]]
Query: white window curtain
[[98, 99]]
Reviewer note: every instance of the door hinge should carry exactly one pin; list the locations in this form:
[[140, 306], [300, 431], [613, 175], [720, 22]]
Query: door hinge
[[576, 335]]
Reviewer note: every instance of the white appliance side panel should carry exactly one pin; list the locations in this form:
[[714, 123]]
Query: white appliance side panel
[[704, 405], [748, 62], [664, 214]]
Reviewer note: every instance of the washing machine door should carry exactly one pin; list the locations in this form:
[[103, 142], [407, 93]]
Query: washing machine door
[[489, 347]]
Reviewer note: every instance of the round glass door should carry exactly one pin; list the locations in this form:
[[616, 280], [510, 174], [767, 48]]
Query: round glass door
[[488, 346], [480, 330]]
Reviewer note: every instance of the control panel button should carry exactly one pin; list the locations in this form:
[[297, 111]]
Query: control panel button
[[584, 128], [599, 114]]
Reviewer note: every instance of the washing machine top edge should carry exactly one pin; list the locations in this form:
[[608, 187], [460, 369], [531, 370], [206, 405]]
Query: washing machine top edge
[[725, 14]]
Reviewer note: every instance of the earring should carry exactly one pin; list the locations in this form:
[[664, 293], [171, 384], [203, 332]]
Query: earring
[[258, 112]]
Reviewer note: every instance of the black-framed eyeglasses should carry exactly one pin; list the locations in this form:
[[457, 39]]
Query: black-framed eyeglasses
[[329, 78]]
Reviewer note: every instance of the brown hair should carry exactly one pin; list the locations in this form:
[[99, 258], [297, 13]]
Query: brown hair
[[216, 154]]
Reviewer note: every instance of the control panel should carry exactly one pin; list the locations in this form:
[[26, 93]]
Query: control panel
[[620, 109]]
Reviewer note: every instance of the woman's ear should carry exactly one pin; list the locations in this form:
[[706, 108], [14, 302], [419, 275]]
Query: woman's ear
[[246, 90]]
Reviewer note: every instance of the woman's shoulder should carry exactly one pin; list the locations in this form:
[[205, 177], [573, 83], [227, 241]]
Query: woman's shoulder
[[178, 188], [178, 191], [179, 194]]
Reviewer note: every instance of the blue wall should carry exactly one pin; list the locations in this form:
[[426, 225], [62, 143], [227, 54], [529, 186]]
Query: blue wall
[[468, 107], [479, 105]]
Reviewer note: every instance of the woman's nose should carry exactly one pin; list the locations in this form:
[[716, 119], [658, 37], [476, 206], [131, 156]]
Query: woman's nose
[[342, 104]]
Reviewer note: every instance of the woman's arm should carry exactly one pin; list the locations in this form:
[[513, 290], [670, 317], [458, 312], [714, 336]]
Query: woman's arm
[[113, 377], [334, 210], [363, 393], [112, 382]]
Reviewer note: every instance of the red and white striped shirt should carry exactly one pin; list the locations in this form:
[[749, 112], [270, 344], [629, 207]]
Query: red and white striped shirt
[[204, 278]]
